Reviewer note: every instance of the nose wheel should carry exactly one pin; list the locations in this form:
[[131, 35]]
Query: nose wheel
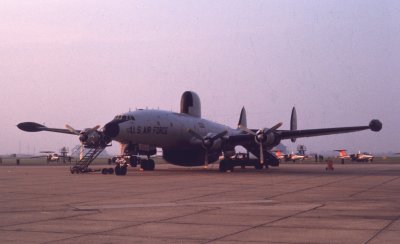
[[121, 169]]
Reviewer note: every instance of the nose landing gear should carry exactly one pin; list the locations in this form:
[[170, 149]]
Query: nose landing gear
[[122, 162], [121, 169]]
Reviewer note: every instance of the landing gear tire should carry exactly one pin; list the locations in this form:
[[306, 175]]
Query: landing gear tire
[[152, 165], [147, 165], [143, 165], [225, 165], [124, 170], [222, 167], [118, 170], [133, 161], [258, 166]]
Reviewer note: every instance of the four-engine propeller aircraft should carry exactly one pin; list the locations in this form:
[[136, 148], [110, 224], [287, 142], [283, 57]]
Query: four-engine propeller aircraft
[[187, 139]]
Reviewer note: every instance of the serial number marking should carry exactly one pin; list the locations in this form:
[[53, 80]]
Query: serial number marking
[[156, 130]]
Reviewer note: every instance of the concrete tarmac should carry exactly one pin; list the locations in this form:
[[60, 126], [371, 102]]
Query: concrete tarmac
[[294, 203]]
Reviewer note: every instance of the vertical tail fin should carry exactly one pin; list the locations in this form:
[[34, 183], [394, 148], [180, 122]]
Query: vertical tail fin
[[343, 153], [293, 122], [242, 120]]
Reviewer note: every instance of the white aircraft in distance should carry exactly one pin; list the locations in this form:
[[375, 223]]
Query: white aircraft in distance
[[362, 157], [293, 157], [185, 138], [49, 155], [359, 157]]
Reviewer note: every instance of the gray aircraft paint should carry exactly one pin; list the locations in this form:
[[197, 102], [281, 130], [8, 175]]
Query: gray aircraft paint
[[182, 135]]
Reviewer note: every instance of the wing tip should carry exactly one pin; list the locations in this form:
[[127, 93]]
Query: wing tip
[[375, 125], [30, 126]]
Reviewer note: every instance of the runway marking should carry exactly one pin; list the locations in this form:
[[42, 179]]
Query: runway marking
[[166, 204]]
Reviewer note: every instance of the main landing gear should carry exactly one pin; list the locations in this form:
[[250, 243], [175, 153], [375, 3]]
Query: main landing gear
[[147, 165], [242, 160]]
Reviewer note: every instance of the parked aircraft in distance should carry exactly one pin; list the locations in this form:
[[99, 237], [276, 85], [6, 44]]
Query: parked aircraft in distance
[[342, 155], [185, 138], [359, 157], [293, 157], [50, 156], [279, 154], [362, 157]]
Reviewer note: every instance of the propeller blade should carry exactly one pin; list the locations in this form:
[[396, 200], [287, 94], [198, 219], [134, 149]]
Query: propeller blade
[[194, 134], [275, 127], [207, 142], [206, 159], [96, 127], [261, 154], [81, 150], [71, 129]]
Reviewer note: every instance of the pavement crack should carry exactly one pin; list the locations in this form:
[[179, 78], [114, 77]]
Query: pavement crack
[[382, 230], [266, 223], [375, 186]]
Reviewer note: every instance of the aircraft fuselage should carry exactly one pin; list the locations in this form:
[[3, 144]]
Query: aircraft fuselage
[[169, 131]]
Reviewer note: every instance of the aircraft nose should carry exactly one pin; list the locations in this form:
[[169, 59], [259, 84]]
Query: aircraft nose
[[111, 129]]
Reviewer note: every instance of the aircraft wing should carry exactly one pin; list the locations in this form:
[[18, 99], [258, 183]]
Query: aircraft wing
[[35, 127], [243, 139], [288, 134]]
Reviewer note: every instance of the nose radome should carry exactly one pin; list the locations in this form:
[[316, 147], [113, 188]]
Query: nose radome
[[83, 137], [111, 129]]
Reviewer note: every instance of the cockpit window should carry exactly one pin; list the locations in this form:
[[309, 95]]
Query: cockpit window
[[124, 117]]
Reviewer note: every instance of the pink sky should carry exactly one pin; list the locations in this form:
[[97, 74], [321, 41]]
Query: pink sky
[[82, 62]]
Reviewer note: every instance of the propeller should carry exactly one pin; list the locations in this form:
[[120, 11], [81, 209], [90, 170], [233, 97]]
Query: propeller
[[261, 136], [207, 141], [88, 137], [71, 129]]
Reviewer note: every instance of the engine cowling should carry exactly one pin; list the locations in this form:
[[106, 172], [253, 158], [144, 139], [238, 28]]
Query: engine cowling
[[269, 139], [93, 138]]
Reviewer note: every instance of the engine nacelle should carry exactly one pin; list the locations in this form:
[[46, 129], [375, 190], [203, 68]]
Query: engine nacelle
[[269, 139], [92, 138]]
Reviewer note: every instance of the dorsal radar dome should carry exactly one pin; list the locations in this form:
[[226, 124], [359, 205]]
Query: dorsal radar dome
[[190, 104]]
